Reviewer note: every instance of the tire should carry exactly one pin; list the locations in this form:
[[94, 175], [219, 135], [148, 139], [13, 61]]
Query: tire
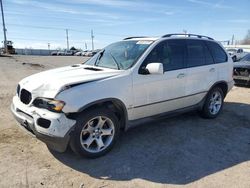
[[95, 133], [210, 109], [234, 58]]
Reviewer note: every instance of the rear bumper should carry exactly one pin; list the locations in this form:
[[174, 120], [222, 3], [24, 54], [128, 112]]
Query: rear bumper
[[28, 122]]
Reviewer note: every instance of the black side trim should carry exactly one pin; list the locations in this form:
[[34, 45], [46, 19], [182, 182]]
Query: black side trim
[[168, 100], [164, 115]]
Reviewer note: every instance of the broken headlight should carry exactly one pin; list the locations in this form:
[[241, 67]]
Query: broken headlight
[[49, 104]]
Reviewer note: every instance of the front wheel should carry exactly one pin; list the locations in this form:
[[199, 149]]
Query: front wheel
[[96, 132], [213, 103]]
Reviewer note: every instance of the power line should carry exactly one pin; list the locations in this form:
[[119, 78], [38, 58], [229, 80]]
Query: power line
[[59, 28], [45, 40], [36, 27]]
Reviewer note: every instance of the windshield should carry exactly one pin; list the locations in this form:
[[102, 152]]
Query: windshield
[[120, 55], [246, 58]]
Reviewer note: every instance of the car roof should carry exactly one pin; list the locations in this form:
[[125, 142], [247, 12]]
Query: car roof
[[171, 36]]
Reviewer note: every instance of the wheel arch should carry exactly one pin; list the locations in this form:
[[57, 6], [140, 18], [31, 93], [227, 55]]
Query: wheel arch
[[114, 104], [223, 85]]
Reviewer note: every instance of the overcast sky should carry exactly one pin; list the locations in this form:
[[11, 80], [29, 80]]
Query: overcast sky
[[34, 23]]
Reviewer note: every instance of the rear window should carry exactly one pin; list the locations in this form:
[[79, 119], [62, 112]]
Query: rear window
[[218, 53]]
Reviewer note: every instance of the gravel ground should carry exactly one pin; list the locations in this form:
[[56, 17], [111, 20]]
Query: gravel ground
[[185, 150]]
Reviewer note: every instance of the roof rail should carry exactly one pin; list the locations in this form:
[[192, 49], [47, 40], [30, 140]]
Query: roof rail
[[187, 35], [127, 38]]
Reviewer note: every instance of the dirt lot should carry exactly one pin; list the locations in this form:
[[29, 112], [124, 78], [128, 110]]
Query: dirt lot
[[184, 150]]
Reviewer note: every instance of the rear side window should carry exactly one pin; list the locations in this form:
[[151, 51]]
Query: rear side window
[[208, 55], [218, 53], [170, 53], [196, 53]]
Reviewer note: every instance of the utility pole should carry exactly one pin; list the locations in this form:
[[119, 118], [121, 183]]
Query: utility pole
[[4, 29], [67, 37], [86, 47], [92, 39], [49, 47], [232, 40]]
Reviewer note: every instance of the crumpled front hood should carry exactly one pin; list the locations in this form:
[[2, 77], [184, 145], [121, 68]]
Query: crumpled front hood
[[49, 83]]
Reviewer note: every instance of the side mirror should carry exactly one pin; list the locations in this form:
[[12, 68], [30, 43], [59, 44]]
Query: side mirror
[[155, 68]]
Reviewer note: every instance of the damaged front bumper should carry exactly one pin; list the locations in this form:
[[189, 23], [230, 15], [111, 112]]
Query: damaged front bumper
[[52, 128]]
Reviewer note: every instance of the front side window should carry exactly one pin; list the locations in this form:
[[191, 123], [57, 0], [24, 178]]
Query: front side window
[[218, 53], [170, 53], [120, 55]]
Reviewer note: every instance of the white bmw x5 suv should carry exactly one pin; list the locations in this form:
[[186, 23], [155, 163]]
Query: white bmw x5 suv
[[86, 105]]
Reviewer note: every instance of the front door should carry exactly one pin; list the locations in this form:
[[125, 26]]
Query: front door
[[154, 94]]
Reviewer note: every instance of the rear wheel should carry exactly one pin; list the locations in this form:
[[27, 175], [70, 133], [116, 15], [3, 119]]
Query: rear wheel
[[96, 132], [213, 104]]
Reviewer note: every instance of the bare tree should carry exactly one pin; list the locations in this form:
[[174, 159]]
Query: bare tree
[[246, 40]]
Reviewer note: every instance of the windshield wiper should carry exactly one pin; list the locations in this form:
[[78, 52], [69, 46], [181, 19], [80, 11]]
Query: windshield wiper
[[118, 65], [99, 57]]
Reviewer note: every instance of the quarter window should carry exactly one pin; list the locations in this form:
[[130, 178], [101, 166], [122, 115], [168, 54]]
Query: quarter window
[[218, 53]]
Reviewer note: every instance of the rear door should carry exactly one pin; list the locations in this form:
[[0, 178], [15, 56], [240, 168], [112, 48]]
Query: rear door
[[201, 70]]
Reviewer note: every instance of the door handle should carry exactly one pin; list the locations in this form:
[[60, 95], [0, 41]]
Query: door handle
[[181, 75], [212, 70]]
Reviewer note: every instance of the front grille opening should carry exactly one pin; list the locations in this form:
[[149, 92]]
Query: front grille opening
[[25, 96], [43, 123]]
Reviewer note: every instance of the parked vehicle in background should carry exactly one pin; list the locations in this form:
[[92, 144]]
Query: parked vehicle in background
[[90, 53], [53, 53], [61, 53], [236, 53], [84, 53], [95, 51], [10, 48], [69, 53], [87, 105], [78, 53], [242, 71], [65, 53]]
